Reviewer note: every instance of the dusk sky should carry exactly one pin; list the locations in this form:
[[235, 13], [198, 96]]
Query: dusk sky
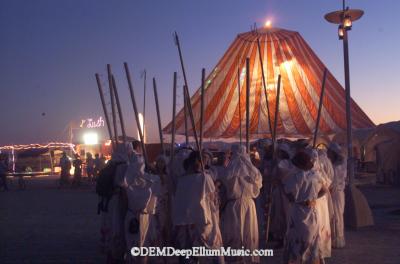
[[51, 49]]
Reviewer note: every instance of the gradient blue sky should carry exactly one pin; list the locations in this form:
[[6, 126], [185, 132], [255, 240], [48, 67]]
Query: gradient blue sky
[[50, 50]]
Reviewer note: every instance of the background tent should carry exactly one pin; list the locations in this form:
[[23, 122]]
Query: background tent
[[388, 162], [283, 52], [382, 133]]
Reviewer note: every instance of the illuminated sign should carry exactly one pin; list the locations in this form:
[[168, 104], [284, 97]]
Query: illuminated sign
[[90, 123]]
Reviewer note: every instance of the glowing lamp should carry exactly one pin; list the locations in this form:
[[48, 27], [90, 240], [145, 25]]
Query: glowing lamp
[[90, 138], [341, 32], [347, 23]]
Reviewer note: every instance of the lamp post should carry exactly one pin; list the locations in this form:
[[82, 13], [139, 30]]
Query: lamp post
[[357, 211], [344, 18]]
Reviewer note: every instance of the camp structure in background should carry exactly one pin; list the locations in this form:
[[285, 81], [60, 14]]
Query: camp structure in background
[[35, 159]]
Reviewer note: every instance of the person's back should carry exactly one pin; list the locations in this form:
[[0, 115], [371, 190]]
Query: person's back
[[302, 187], [243, 182]]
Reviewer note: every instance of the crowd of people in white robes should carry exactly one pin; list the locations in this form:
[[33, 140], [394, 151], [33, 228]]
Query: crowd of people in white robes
[[189, 202]]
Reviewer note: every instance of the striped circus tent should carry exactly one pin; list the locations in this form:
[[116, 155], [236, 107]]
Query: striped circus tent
[[283, 52]]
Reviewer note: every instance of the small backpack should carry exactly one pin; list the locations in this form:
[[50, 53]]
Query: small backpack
[[105, 184]]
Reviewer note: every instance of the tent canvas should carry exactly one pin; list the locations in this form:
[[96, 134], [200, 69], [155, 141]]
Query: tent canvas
[[283, 52]]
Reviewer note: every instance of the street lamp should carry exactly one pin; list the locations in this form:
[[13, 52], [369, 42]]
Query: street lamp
[[344, 18], [357, 211]]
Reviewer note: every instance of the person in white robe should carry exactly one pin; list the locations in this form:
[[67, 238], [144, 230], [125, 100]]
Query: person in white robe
[[280, 204], [161, 234], [242, 182], [176, 166], [193, 211], [303, 187], [338, 185], [113, 241], [323, 205], [141, 203]]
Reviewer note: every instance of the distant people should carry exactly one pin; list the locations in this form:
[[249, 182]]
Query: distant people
[[242, 181], [89, 166], [337, 192], [3, 172], [65, 165], [98, 165], [77, 170]]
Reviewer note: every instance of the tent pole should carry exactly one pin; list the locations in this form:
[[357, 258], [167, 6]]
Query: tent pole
[[321, 98], [121, 118], [114, 117], [247, 105], [158, 116], [128, 77], [103, 103], [203, 76], [265, 85]]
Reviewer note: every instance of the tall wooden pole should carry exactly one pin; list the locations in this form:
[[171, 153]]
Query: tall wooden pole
[[103, 103], [247, 105], [187, 99], [278, 92], [135, 109], [191, 117], [172, 151], [240, 110], [114, 117], [321, 98], [158, 116], [265, 85], [269, 198], [144, 99], [203, 77], [185, 116], [121, 117]]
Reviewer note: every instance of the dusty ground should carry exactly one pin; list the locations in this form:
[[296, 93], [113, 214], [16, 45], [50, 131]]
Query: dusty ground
[[45, 225]]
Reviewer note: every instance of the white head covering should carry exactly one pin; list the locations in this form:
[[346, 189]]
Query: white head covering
[[242, 178]]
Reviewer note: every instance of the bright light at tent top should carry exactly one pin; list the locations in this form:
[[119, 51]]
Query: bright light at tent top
[[268, 24]]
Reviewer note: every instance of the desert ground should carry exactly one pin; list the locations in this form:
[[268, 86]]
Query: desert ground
[[44, 224]]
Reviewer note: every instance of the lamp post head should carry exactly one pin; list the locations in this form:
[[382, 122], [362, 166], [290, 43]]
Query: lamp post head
[[344, 18], [348, 16]]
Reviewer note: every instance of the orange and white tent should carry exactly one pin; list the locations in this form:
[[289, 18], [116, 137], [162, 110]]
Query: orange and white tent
[[283, 52]]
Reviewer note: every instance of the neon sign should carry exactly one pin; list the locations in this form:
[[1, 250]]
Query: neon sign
[[90, 123]]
